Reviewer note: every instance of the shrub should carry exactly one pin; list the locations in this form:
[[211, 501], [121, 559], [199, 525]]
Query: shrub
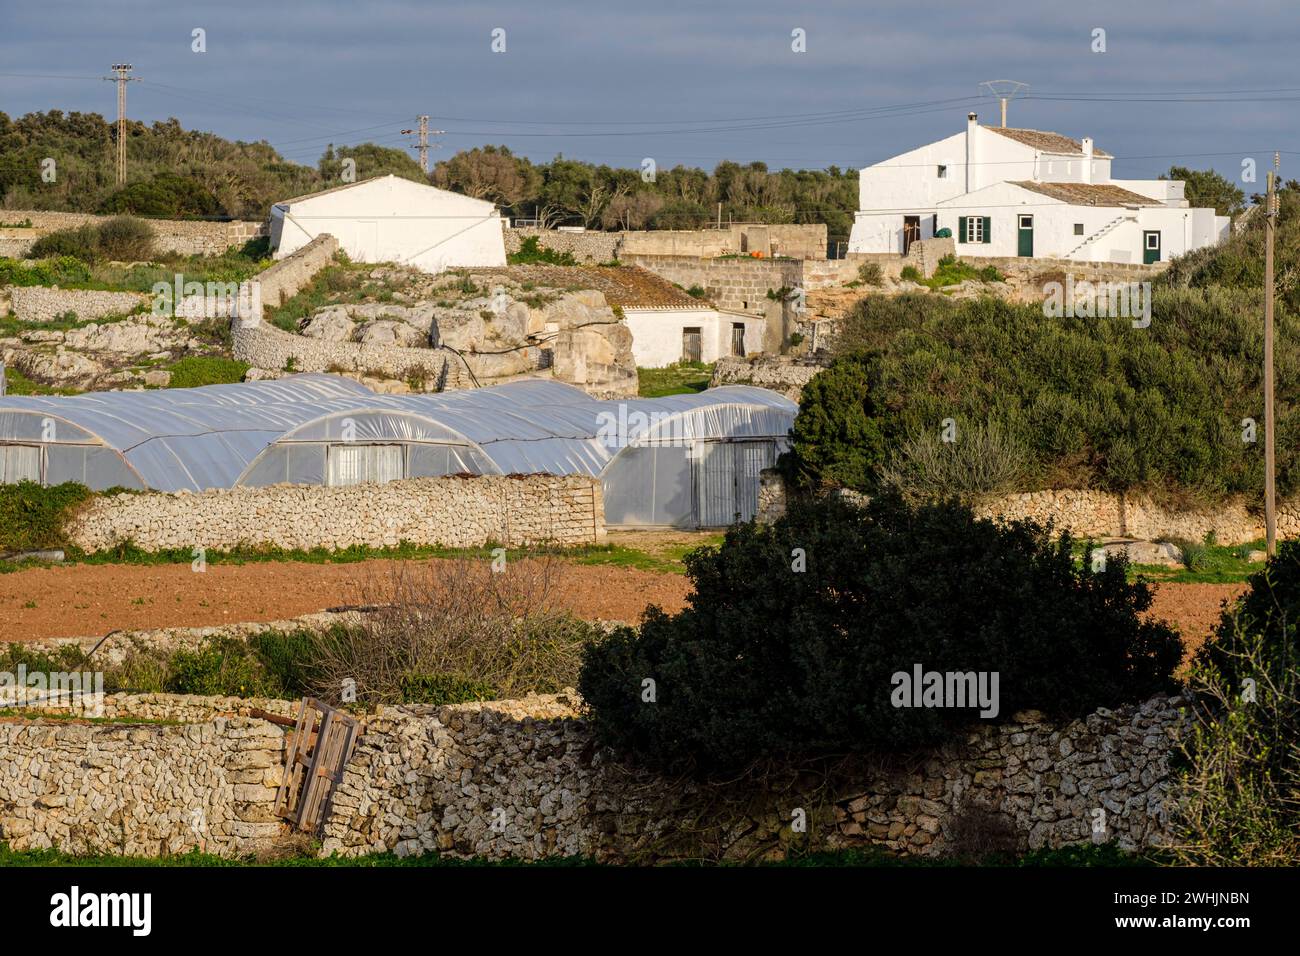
[[223, 666], [911, 274], [125, 239], [870, 273], [455, 630], [770, 662], [194, 370], [1093, 402], [165, 194], [33, 517], [984, 460], [530, 251], [78, 242], [838, 436], [60, 271], [1241, 767]]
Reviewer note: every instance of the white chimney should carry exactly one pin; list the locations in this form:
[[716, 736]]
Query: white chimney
[[972, 174], [1087, 159]]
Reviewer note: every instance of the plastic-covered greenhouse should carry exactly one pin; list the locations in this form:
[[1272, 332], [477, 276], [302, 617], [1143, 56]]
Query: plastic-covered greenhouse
[[680, 461]]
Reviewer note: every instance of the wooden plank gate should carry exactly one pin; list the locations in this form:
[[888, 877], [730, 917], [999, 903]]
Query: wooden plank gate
[[319, 749]]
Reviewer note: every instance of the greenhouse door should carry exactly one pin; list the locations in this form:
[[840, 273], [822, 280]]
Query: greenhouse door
[[727, 481]]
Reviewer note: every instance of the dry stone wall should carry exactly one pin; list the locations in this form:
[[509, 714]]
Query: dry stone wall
[[1098, 514], [450, 511], [284, 279], [42, 304], [182, 236], [590, 246], [523, 779]]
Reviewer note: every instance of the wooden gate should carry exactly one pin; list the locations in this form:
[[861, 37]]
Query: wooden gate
[[320, 747]]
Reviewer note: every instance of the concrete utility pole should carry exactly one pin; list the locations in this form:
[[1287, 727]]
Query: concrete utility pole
[[1270, 226], [123, 77]]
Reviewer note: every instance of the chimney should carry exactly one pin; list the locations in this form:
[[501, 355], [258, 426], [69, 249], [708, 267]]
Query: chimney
[[1087, 159], [972, 179]]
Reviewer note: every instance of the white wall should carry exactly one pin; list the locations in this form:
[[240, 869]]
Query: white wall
[[391, 219], [657, 334]]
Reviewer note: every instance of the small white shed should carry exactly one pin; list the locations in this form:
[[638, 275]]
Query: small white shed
[[391, 219]]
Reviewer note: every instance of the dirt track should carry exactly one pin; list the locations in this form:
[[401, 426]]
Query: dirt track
[[88, 600]]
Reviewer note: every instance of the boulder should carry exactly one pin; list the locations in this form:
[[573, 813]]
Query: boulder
[[332, 324]]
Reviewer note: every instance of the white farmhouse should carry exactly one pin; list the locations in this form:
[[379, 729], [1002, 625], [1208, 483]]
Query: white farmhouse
[[391, 219], [1023, 192]]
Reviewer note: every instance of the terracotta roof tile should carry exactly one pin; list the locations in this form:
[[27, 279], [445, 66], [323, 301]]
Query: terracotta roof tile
[[629, 287], [1089, 194], [1048, 142]]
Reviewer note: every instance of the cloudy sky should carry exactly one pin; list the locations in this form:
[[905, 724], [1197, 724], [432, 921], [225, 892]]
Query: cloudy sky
[[682, 82]]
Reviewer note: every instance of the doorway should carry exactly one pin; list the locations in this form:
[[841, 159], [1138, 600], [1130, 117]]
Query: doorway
[[1150, 246], [727, 481], [911, 231], [691, 345], [1025, 238]]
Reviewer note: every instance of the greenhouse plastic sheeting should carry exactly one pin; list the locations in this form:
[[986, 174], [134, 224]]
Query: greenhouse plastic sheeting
[[173, 439], [261, 432]]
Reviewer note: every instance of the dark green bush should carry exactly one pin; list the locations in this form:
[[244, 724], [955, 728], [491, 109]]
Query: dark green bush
[[33, 517], [165, 194], [1093, 402], [770, 662], [444, 689], [838, 437], [79, 242], [125, 239], [1269, 608], [530, 251]]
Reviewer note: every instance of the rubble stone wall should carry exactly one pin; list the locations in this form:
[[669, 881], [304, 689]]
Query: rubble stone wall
[[451, 511]]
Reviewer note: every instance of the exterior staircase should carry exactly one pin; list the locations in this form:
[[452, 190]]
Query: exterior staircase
[[1104, 230]]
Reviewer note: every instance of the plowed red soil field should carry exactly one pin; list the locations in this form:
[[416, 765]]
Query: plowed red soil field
[[86, 600]]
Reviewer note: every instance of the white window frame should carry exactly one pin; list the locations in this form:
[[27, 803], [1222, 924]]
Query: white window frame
[[1020, 222], [1149, 245], [974, 229]]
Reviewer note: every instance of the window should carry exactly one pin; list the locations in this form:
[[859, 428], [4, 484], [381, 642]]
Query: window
[[973, 229], [19, 463], [1153, 240], [943, 172], [354, 464], [1078, 229], [692, 342], [1026, 222]]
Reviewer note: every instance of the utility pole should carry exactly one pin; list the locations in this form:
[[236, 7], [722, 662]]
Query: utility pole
[[1270, 226], [424, 131], [123, 76]]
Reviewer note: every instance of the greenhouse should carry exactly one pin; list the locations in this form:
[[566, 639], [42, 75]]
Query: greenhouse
[[680, 461]]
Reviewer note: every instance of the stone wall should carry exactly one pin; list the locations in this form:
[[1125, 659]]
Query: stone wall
[[264, 346], [806, 241], [142, 789], [284, 279], [451, 511], [42, 304], [1100, 514], [738, 285], [185, 237], [781, 374], [523, 779], [591, 246]]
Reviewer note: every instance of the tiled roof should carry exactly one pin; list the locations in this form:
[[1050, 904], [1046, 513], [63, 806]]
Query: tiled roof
[[1089, 194], [1048, 142], [629, 287]]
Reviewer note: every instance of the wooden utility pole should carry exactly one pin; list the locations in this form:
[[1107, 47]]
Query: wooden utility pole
[[123, 76], [1270, 224]]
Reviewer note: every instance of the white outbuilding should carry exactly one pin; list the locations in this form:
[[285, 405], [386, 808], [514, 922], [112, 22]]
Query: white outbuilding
[[391, 219]]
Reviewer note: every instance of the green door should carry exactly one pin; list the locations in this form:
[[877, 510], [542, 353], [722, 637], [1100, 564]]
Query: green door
[[1150, 247], [1025, 244]]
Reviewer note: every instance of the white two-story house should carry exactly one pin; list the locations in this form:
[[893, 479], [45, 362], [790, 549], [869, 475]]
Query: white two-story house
[[1023, 192]]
